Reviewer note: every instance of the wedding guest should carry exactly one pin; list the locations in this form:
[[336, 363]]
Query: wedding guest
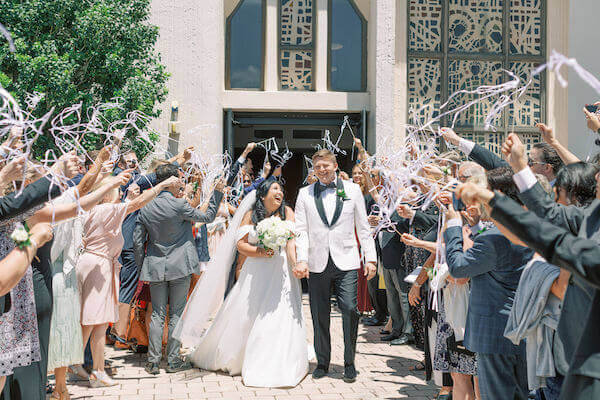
[[26, 325], [169, 260], [98, 268], [364, 303], [556, 243], [494, 266]]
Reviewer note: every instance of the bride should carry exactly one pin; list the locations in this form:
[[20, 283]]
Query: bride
[[258, 331]]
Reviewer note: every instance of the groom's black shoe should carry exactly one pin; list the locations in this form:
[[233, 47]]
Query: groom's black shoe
[[319, 372], [349, 373]]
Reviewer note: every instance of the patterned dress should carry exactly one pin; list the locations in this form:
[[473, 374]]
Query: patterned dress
[[19, 341]]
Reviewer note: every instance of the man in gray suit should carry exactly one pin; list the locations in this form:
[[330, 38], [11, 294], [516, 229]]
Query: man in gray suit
[[168, 261]]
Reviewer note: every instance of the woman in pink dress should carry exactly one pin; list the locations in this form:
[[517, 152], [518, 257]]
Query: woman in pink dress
[[98, 270]]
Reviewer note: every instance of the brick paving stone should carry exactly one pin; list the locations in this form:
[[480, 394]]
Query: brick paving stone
[[383, 374]]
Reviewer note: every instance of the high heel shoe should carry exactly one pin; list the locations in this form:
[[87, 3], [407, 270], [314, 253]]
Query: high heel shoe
[[101, 379]]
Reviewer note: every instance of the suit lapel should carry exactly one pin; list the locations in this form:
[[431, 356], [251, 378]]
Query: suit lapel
[[319, 204], [339, 202]]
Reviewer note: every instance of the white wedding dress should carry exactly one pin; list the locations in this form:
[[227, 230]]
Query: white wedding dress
[[259, 330]]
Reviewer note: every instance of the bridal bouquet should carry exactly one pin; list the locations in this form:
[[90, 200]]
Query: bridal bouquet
[[273, 233]]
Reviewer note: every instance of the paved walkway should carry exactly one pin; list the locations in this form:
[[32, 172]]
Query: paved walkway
[[383, 374]]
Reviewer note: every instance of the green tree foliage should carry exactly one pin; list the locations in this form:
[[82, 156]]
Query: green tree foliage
[[87, 51]]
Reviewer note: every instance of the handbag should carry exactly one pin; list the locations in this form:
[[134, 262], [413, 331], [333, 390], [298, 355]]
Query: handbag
[[137, 335]]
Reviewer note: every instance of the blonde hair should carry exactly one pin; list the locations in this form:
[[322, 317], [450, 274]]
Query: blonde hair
[[324, 153]]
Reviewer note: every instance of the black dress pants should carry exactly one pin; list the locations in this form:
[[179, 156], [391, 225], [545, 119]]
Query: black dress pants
[[319, 292]]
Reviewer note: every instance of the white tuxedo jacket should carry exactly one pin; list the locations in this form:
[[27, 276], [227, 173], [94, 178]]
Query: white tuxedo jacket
[[316, 240]]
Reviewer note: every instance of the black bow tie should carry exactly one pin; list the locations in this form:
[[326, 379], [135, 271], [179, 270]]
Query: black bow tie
[[330, 185]]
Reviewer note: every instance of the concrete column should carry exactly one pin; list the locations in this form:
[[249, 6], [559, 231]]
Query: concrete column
[[557, 38], [383, 31], [320, 57], [192, 45], [271, 47]]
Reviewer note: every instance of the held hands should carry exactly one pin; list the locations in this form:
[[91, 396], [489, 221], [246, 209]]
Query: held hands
[[514, 152], [301, 270]]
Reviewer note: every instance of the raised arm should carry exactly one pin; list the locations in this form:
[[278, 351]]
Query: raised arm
[[556, 244], [479, 154], [531, 192], [59, 212], [89, 179], [565, 155], [148, 195]]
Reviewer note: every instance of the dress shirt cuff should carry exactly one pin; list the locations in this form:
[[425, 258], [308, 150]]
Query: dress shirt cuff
[[524, 179], [241, 160], [466, 146], [454, 222]]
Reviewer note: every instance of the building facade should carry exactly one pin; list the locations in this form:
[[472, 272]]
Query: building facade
[[291, 69]]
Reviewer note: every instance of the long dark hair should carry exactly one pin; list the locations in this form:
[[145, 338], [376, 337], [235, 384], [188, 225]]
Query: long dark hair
[[259, 211], [578, 180]]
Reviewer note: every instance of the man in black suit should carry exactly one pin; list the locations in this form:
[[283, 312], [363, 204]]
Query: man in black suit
[[391, 252], [567, 237]]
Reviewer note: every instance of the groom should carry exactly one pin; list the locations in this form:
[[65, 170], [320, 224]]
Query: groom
[[327, 213]]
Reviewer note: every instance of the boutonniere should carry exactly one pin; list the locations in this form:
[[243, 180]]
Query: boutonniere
[[342, 193], [445, 170], [21, 236], [479, 232]]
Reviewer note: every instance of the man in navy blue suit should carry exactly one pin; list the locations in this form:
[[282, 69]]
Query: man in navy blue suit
[[494, 266]]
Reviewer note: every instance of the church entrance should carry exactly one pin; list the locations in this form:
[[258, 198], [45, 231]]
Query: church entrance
[[301, 132]]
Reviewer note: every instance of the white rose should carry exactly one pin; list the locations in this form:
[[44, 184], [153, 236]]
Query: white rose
[[19, 234]]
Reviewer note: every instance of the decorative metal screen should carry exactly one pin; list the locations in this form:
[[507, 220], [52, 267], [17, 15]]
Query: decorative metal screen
[[462, 44], [296, 44]]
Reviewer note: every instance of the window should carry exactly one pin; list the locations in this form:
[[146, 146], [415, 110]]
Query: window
[[245, 46], [462, 44], [296, 44], [347, 47]]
